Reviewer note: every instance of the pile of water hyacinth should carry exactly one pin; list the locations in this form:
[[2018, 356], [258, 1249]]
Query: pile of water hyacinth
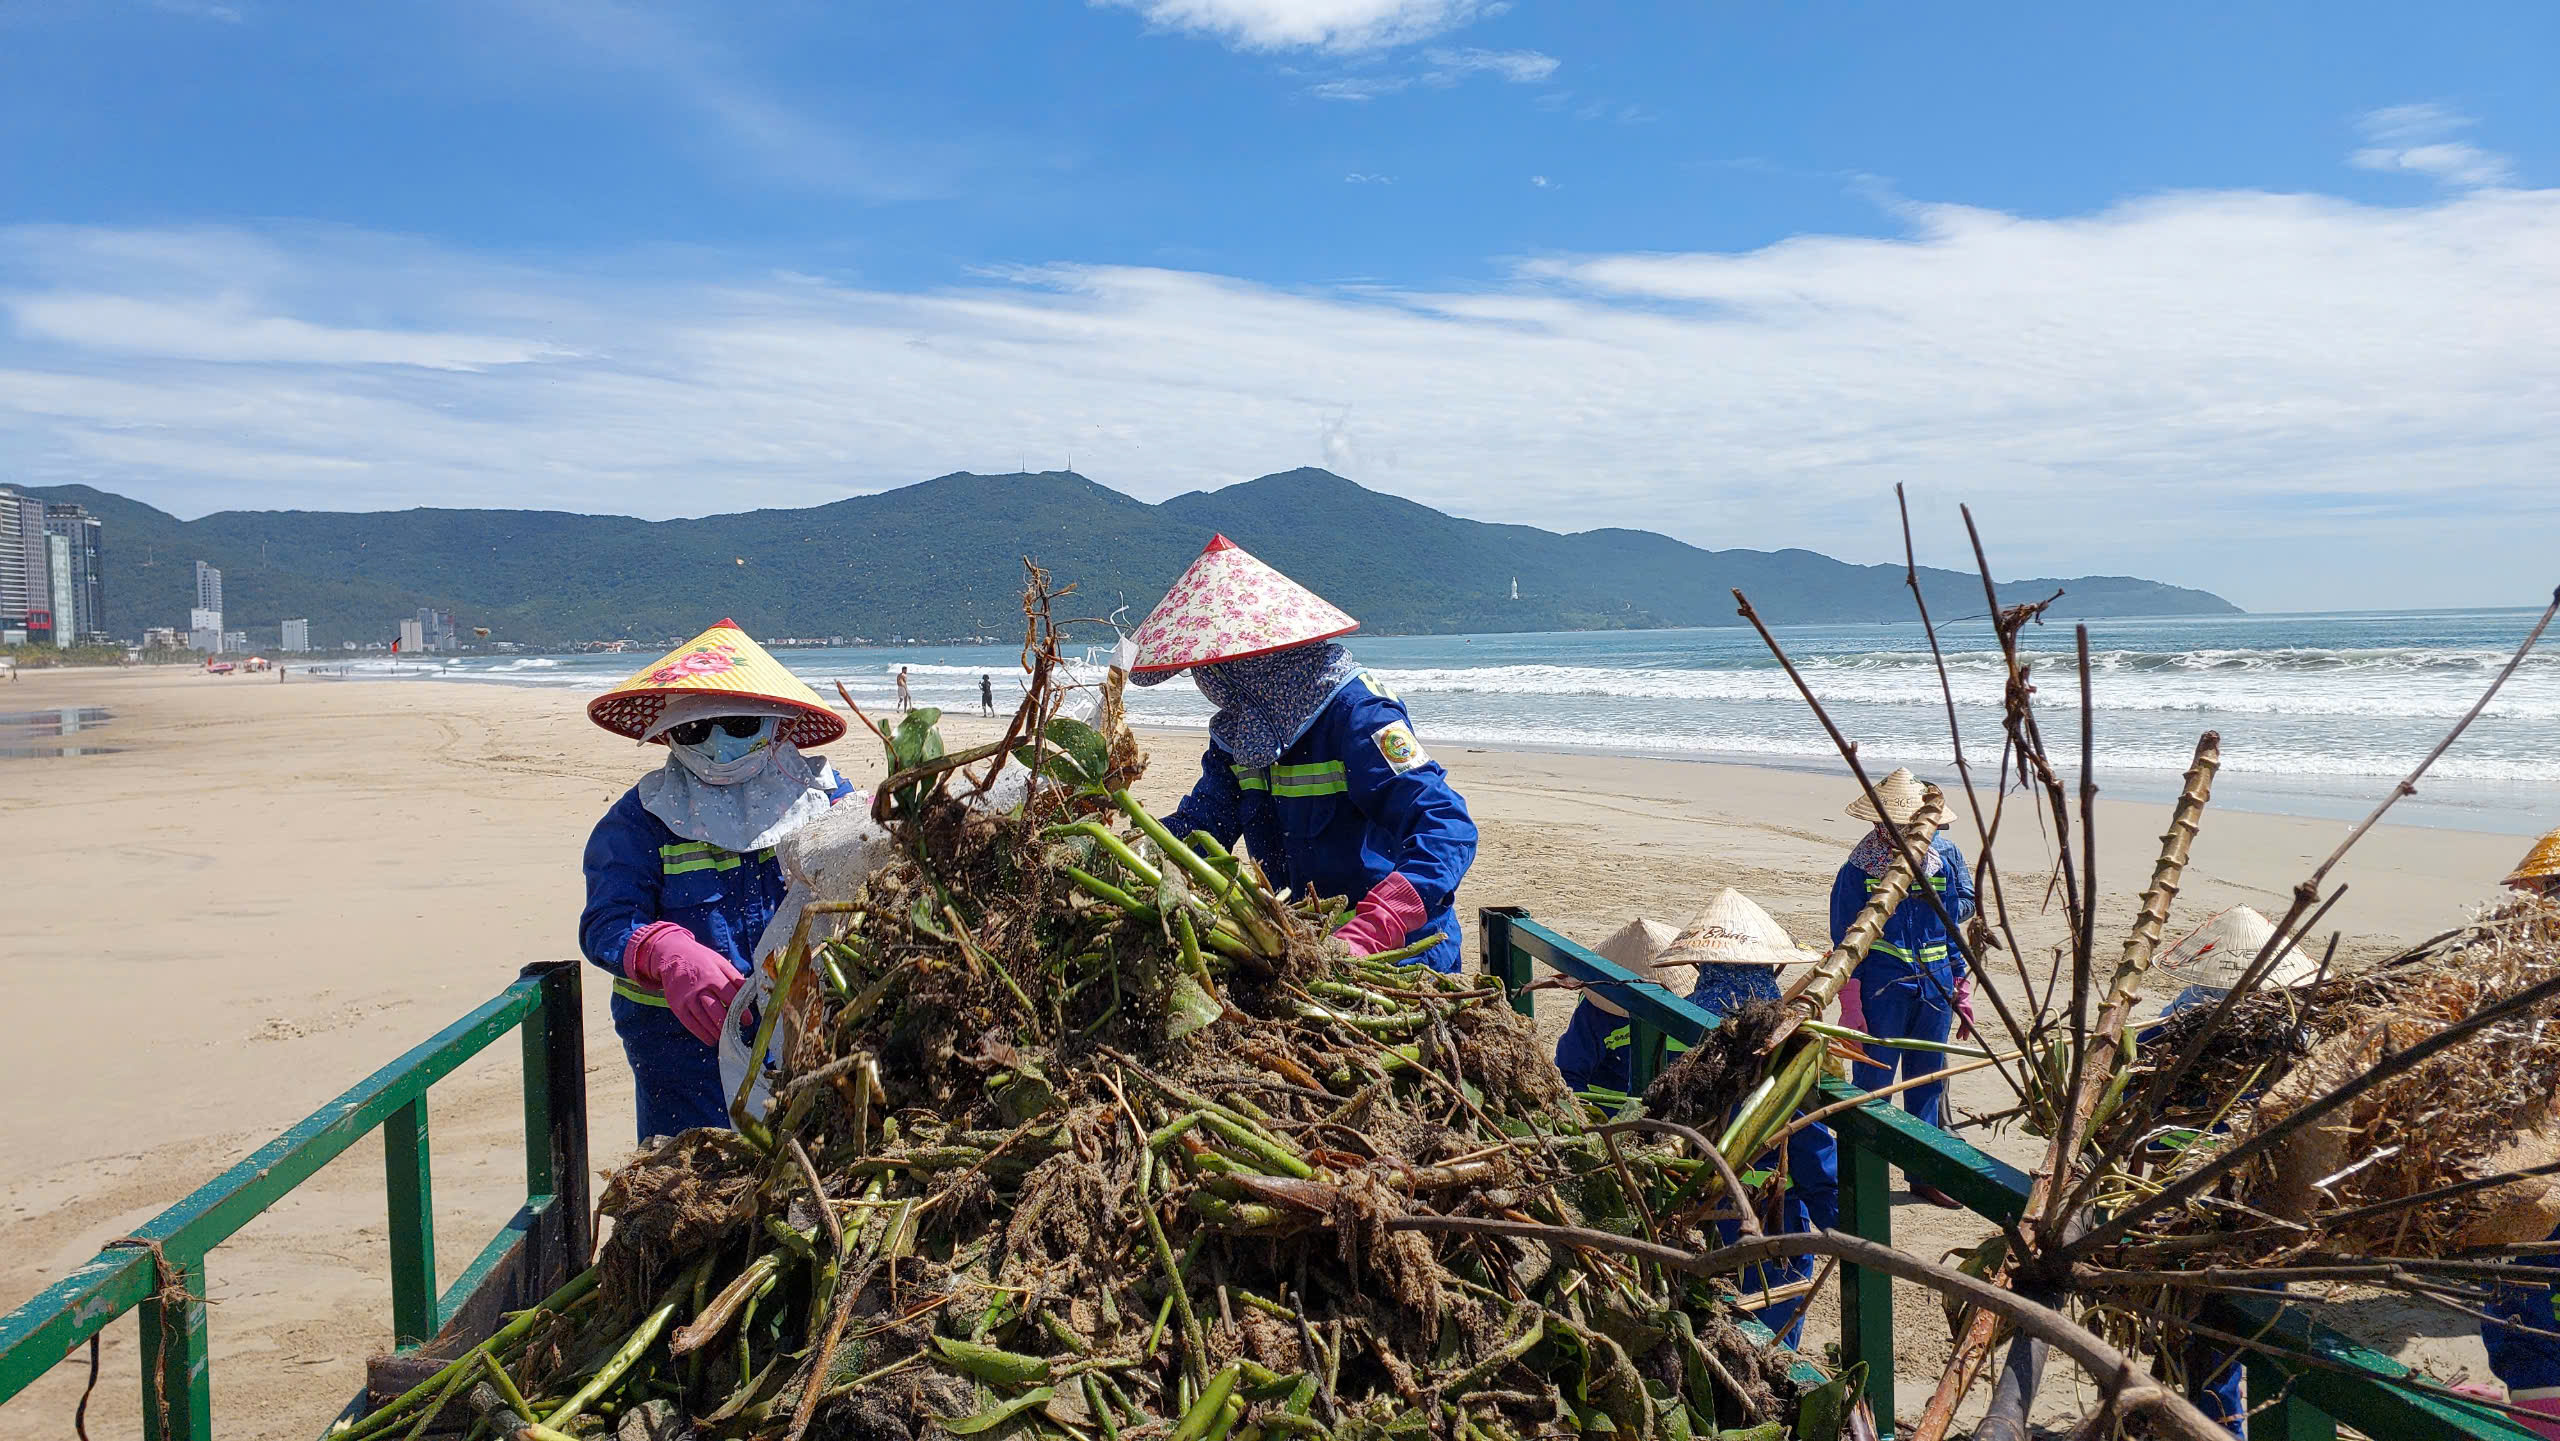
[[1080, 1130]]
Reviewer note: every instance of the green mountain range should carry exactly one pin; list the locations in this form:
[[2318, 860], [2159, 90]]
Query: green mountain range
[[943, 559]]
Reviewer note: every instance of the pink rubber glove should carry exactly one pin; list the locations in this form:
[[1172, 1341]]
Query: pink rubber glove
[[2541, 1407], [1384, 917], [1964, 1000], [698, 981], [1853, 1006]]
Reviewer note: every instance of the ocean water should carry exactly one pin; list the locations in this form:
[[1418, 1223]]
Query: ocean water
[[2318, 714]]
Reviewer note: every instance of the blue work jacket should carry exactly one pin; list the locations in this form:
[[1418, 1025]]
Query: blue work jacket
[[1593, 1049], [640, 872], [1914, 938], [1354, 798]]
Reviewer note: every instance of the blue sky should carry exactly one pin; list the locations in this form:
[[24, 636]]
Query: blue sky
[[2259, 298]]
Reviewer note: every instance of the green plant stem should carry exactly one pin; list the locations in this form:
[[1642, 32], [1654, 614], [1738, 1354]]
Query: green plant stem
[[1266, 942], [629, 1353], [1402, 954], [575, 1290]]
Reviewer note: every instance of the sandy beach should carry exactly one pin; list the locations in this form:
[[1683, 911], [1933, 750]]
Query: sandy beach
[[270, 889]]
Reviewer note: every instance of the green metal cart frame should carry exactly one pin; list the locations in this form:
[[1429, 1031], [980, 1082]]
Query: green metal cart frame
[[160, 1269], [2339, 1382]]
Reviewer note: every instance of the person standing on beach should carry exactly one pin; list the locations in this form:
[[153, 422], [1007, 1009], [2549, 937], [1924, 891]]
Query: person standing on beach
[[906, 701], [681, 875], [1912, 984], [1311, 761], [986, 695]]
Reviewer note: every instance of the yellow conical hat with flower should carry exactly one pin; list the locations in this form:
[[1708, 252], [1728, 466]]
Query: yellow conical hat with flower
[[720, 663]]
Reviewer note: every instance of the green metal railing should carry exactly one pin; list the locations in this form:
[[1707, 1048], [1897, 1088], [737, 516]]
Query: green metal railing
[[160, 1268], [2338, 1382]]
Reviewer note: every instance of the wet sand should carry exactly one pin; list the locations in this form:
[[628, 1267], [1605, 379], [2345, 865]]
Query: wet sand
[[270, 889]]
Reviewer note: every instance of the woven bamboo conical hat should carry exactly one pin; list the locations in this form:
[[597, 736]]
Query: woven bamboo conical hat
[[2219, 952], [2540, 865], [1733, 930], [1230, 606], [722, 663], [1634, 949], [1902, 793]]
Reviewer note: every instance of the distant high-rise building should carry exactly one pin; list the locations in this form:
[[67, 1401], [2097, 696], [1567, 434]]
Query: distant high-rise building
[[297, 636], [413, 637], [65, 602], [204, 622], [88, 617], [235, 642], [25, 587]]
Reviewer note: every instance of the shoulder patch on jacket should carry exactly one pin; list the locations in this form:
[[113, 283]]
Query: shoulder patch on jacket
[[1378, 687], [1401, 751]]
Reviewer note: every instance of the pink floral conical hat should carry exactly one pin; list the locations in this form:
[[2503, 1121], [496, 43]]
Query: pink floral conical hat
[[1228, 606]]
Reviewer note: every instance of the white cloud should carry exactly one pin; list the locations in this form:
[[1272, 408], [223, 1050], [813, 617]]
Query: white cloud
[[1542, 182], [1520, 67], [225, 329], [1356, 178], [1360, 87], [2419, 139], [2297, 400], [199, 10], [690, 67], [1343, 25]]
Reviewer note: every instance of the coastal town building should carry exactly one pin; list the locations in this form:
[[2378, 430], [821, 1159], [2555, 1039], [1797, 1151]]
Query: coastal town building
[[296, 637], [413, 637]]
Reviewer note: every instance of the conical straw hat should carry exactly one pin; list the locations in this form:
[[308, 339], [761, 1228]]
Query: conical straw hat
[[1733, 930], [1632, 949], [720, 662], [1902, 793], [1229, 606], [2539, 864], [2219, 952]]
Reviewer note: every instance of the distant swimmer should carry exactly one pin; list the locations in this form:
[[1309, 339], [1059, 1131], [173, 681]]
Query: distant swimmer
[[1311, 761], [681, 875]]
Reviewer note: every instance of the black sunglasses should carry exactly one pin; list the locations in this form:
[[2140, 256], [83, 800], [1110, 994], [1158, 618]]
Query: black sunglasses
[[694, 733]]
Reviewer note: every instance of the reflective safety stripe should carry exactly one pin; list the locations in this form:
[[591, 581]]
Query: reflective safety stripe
[[1937, 882], [1318, 778], [1624, 1036], [1929, 955], [1378, 688], [1251, 780], [688, 856], [630, 991]]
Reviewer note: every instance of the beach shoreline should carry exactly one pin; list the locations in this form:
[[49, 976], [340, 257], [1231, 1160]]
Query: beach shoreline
[[270, 889]]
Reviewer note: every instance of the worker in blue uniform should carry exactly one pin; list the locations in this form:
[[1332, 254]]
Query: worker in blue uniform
[[681, 873], [1729, 956], [1913, 983], [1312, 763], [2529, 1363]]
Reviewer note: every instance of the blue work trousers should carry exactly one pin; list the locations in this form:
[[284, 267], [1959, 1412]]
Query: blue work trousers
[[675, 1078], [1812, 1202], [1913, 1002]]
